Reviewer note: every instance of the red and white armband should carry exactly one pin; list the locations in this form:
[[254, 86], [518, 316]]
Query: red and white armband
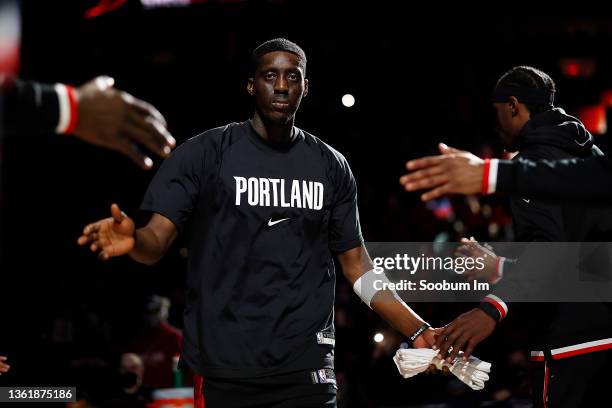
[[68, 112], [489, 176], [494, 307]]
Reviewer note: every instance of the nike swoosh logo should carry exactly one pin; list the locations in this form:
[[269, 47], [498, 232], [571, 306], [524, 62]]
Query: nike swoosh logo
[[526, 200], [272, 223]]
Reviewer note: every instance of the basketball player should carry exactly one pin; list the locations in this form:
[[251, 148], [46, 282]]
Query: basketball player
[[264, 205], [572, 342]]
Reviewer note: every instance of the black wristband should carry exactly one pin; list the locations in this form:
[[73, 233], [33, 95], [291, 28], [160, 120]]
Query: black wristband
[[490, 310], [419, 331]]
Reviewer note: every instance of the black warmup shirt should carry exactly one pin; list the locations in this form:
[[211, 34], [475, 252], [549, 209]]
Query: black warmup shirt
[[262, 224]]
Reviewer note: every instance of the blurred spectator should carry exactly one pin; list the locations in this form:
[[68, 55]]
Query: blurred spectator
[[158, 343], [131, 392]]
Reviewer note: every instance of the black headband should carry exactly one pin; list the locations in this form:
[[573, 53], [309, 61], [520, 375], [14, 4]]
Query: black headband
[[524, 95]]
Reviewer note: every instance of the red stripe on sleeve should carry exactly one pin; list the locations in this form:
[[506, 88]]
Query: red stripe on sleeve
[[485, 177], [499, 307], [73, 110]]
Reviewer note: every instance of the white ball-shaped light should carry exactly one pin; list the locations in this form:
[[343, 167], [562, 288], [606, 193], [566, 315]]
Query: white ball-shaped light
[[348, 100]]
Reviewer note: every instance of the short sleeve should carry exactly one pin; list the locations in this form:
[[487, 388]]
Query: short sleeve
[[345, 229], [174, 190]]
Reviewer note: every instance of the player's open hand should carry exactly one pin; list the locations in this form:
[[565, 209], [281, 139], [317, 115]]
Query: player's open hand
[[464, 334], [453, 172], [118, 121], [3, 366], [470, 248], [110, 237]]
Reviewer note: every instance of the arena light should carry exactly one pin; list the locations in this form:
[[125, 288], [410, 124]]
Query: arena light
[[103, 7], [379, 337], [348, 100], [606, 98], [572, 69], [578, 67], [149, 4], [594, 118], [152, 4]]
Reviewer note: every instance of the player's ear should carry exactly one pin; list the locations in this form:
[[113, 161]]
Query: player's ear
[[513, 105], [305, 88], [251, 86]]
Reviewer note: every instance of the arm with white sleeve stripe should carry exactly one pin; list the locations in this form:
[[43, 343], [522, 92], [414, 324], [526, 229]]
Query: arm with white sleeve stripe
[[33, 108]]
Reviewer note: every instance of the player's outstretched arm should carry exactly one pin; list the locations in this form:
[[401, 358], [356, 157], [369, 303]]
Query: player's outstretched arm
[[355, 264], [117, 236], [453, 172]]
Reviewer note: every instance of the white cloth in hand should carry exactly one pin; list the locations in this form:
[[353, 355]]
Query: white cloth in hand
[[473, 372], [411, 362]]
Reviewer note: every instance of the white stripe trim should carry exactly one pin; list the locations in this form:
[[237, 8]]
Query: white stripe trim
[[492, 182], [64, 108], [498, 301], [545, 386], [499, 273], [537, 354], [581, 346]]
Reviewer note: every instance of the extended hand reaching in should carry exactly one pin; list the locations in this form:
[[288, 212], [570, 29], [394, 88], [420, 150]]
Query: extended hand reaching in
[[110, 237]]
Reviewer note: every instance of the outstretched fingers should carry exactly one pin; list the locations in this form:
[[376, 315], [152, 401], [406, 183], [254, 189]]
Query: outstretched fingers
[[117, 214], [423, 162], [436, 192], [87, 236]]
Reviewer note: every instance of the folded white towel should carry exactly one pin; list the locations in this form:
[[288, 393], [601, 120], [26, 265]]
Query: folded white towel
[[473, 372]]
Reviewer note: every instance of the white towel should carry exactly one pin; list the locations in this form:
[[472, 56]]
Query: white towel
[[473, 372]]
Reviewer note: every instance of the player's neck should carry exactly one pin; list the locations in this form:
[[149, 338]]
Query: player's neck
[[273, 132]]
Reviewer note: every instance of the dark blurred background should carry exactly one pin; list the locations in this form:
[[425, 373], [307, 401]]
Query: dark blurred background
[[418, 77]]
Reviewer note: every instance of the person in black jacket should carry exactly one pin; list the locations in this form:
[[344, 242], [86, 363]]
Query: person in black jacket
[[580, 181], [546, 133], [564, 334]]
